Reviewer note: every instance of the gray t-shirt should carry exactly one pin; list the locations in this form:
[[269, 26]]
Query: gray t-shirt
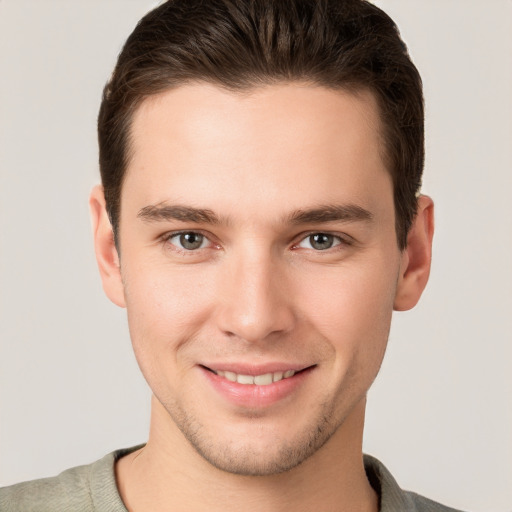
[[93, 488]]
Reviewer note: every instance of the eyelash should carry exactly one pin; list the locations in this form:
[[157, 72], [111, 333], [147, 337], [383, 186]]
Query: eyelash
[[166, 239], [342, 241]]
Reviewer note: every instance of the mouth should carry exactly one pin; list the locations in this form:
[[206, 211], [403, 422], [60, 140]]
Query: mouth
[[256, 387], [264, 379], [257, 376]]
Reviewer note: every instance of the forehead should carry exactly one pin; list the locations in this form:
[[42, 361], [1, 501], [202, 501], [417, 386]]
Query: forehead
[[273, 144], [202, 110]]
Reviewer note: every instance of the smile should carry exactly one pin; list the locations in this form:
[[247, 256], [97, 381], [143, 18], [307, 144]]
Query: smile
[[258, 380], [256, 387]]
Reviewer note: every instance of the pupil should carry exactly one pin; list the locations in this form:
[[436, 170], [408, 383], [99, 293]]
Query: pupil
[[321, 241], [191, 240]]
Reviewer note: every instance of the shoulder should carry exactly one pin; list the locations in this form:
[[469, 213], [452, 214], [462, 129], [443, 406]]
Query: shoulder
[[69, 489], [81, 489], [392, 497], [422, 504]]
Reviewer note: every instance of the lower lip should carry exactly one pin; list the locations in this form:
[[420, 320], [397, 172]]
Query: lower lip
[[253, 396]]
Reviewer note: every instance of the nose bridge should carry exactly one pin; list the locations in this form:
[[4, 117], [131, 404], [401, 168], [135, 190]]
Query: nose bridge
[[255, 302]]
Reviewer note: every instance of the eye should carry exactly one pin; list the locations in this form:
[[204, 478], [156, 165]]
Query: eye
[[320, 241], [189, 240]]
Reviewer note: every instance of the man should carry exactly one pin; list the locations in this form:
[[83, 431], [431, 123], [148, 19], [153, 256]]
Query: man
[[260, 219]]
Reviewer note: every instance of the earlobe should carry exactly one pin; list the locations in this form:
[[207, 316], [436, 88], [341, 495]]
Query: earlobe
[[106, 252], [416, 257]]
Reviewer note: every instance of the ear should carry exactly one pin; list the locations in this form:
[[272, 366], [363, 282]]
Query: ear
[[104, 246], [416, 257]]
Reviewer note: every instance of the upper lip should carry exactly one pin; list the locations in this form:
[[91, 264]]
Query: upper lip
[[255, 369]]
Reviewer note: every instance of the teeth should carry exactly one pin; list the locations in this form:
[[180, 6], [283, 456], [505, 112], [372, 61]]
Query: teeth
[[259, 380], [263, 380], [277, 376], [230, 376], [245, 379]]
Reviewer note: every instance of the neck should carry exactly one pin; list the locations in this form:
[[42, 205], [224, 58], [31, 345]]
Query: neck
[[168, 474]]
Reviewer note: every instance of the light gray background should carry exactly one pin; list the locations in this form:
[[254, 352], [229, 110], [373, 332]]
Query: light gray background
[[440, 413]]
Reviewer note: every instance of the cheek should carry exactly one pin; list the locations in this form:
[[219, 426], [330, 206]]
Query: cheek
[[166, 309], [352, 308]]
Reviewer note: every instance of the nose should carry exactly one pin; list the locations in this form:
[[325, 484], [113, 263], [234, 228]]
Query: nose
[[255, 302]]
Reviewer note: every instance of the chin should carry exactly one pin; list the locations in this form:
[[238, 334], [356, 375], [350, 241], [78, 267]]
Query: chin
[[247, 461], [257, 451]]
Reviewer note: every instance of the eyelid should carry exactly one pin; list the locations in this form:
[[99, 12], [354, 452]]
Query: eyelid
[[345, 239], [336, 242], [166, 237]]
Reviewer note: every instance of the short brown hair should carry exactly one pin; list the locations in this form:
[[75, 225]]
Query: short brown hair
[[240, 44]]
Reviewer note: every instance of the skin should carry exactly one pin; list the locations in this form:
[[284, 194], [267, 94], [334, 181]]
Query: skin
[[258, 290]]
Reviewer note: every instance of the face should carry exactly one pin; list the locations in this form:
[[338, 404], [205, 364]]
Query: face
[[259, 265]]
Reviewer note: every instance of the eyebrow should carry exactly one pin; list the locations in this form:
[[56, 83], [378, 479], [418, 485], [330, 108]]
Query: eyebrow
[[323, 213], [164, 212], [331, 213]]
